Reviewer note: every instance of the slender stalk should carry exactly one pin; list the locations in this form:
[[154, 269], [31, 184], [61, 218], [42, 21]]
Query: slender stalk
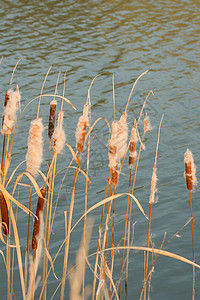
[[28, 235], [42, 91], [99, 239], [193, 254], [105, 243], [8, 264], [2, 159], [125, 229], [50, 208], [130, 210], [84, 231], [147, 255], [5, 167], [49, 152], [45, 261], [68, 231], [112, 251], [151, 201]]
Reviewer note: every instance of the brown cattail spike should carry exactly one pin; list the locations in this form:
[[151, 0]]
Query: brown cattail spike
[[7, 97], [132, 147], [52, 117], [190, 170], [114, 177], [39, 211], [4, 214]]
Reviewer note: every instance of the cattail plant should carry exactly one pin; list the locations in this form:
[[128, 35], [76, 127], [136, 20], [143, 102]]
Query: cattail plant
[[59, 139], [83, 122], [34, 159], [191, 181], [152, 199], [39, 213]]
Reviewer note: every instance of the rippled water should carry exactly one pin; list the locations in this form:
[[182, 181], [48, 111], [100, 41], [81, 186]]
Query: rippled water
[[86, 38]]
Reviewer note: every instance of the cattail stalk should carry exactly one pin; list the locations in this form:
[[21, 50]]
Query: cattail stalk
[[151, 201], [99, 238], [27, 242], [34, 158], [80, 141], [51, 201], [69, 231], [191, 180]]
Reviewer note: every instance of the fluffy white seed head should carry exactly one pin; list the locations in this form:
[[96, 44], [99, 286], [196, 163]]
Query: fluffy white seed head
[[190, 170], [10, 110], [112, 154], [154, 180], [59, 137], [34, 154], [83, 122], [122, 136]]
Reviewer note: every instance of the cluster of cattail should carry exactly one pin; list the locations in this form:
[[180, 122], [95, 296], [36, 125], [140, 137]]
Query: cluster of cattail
[[4, 214], [34, 154], [12, 101], [59, 137], [39, 212], [83, 122], [132, 147], [190, 170], [52, 117]]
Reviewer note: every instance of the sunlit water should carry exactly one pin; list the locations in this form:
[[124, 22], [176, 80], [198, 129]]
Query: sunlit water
[[125, 38]]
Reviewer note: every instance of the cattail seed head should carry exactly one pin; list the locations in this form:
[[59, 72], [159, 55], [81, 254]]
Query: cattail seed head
[[52, 117], [114, 177], [59, 137], [39, 212], [122, 136], [112, 154], [154, 180], [4, 214], [12, 101], [132, 147], [34, 154], [190, 170], [83, 122]]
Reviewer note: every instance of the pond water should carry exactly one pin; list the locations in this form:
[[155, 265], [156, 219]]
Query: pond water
[[126, 38]]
